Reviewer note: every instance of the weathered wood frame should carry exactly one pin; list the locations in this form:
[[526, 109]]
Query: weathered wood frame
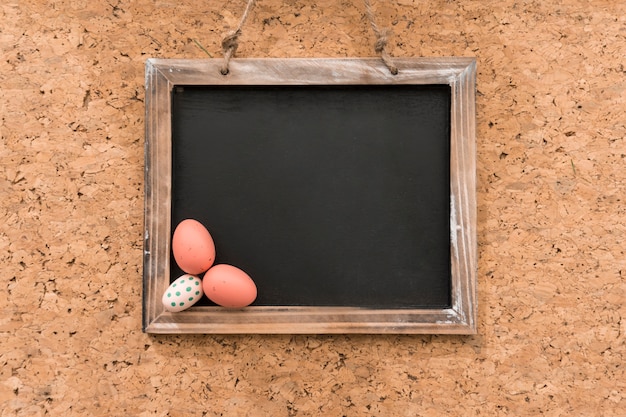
[[162, 75]]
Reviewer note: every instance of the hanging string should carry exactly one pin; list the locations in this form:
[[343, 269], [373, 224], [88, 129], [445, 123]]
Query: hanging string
[[381, 39], [230, 43]]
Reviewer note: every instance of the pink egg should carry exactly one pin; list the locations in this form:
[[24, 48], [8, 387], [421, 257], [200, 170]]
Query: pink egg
[[193, 247], [229, 286]]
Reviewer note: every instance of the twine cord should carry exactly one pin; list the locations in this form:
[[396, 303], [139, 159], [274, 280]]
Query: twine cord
[[382, 37], [230, 43]]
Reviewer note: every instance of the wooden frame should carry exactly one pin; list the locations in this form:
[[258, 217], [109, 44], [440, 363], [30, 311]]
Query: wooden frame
[[163, 75]]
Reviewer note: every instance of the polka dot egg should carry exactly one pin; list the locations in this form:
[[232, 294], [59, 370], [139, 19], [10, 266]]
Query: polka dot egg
[[182, 293]]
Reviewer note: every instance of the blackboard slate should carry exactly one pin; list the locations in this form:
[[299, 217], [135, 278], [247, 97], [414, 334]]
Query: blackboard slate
[[324, 195]]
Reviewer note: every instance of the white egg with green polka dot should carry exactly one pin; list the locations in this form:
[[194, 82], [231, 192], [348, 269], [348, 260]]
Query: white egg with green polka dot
[[182, 293]]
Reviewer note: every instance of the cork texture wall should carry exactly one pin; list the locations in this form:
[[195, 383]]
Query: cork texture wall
[[551, 128]]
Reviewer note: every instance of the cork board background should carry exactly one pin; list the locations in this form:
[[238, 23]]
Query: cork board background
[[552, 217]]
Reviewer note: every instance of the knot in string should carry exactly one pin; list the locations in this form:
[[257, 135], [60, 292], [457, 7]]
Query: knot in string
[[230, 43], [381, 41], [382, 36], [229, 46]]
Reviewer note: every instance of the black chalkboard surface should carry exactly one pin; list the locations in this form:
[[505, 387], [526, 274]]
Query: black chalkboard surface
[[325, 195]]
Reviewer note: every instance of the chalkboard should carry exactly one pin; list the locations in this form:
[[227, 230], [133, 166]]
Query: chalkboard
[[327, 196], [336, 195]]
